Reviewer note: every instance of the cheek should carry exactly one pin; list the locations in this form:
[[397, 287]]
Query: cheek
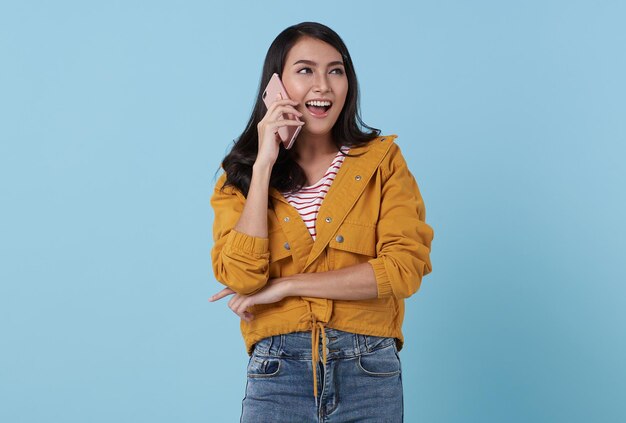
[[295, 90], [288, 85], [343, 93], [343, 101]]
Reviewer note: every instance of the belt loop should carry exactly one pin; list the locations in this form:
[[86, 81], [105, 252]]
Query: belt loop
[[366, 345], [269, 347], [281, 346], [358, 343]]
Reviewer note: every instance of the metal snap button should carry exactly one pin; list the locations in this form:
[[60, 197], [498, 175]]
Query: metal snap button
[[328, 219], [287, 247], [339, 238], [357, 177], [286, 219]]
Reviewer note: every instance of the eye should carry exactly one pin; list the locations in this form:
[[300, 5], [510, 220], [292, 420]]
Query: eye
[[300, 71], [339, 71]]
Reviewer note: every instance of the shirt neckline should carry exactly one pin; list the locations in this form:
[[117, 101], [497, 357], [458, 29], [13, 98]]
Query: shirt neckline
[[323, 178]]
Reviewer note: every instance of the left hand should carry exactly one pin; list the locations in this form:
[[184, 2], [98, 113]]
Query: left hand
[[274, 291]]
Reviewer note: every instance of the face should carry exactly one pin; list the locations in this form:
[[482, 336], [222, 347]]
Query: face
[[314, 70]]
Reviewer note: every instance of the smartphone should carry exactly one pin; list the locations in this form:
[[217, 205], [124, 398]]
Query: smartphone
[[287, 134]]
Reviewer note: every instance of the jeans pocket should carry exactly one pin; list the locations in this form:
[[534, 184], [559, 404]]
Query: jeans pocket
[[381, 362], [263, 367]]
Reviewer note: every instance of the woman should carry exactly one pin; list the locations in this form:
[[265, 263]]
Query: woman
[[318, 285]]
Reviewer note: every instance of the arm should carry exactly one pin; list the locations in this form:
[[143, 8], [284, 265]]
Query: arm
[[402, 248], [356, 282], [403, 254], [240, 254], [404, 238]]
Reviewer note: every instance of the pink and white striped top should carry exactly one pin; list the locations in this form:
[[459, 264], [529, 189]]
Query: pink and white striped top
[[309, 199]]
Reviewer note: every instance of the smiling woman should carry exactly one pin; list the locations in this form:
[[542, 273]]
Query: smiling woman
[[328, 74], [318, 244]]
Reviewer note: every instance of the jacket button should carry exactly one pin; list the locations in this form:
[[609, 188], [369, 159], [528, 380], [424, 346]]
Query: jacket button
[[328, 219], [357, 177], [339, 238], [286, 219], [287, 247]]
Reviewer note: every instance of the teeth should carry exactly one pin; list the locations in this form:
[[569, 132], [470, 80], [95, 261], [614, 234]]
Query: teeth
[[318, 103]]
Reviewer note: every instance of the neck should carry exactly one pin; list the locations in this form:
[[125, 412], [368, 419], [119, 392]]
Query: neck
[[311, 147]]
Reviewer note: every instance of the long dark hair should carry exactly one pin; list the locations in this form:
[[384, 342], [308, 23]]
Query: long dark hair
[[287, 175]]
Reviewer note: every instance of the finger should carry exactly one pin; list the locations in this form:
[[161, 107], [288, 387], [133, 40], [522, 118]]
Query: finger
[[281, 103], [284, 115], [238, 315], [282, 110], [274, 126], [242, 306], [224, 292], [288, 113], [248, 316], [235, 299], [235, 303]]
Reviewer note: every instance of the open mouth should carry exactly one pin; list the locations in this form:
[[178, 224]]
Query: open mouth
[[318, 107]]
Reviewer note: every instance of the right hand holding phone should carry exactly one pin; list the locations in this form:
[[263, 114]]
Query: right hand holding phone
[[267, 128]]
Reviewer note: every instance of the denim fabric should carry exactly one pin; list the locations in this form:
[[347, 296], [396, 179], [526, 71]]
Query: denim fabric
[[361, 381]]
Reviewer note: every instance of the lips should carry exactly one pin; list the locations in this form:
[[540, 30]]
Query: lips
[[318, 111], [318, 108]]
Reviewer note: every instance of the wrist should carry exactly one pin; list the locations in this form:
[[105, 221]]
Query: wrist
[[290, 286], [263, 168]]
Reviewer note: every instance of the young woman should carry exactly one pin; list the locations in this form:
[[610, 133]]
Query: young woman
[[318, 245]]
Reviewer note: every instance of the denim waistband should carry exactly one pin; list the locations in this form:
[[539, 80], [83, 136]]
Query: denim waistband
[[339, 344]]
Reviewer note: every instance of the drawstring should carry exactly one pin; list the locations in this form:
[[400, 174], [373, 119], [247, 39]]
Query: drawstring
[[315, 343]]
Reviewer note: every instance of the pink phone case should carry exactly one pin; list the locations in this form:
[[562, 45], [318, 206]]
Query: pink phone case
[[287, 134]]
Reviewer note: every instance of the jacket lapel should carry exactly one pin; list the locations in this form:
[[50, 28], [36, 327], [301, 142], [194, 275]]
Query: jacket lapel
[[350, 182]]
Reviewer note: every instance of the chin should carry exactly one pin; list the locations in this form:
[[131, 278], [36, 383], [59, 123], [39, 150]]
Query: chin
[[317, 132], [318, 129]]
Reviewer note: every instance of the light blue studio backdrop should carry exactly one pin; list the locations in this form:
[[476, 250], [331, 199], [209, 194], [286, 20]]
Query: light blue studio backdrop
[[114, 118]]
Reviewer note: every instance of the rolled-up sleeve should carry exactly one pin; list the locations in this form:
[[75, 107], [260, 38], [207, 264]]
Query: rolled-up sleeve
[[239, 261], [403, 237]]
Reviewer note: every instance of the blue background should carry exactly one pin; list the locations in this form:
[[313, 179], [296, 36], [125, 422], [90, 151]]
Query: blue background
[[114, 117]]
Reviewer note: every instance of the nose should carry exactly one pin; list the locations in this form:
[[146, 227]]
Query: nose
[[321, 83]]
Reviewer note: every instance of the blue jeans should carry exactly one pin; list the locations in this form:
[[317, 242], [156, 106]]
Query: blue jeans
[[361, 381]]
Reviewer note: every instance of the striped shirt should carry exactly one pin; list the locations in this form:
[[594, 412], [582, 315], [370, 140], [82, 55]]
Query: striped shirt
[[309, 199]]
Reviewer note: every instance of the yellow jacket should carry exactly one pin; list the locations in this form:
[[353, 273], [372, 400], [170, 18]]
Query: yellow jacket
[[373, 212]]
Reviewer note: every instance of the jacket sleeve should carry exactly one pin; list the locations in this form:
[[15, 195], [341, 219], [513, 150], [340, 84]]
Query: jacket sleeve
[[403, 237], [240, 261]]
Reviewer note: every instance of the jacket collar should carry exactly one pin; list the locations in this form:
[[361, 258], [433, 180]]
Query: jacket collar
[[350, 182], [368, 160]]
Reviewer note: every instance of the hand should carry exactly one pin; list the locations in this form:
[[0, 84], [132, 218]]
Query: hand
[[267, 128], [274, 291]]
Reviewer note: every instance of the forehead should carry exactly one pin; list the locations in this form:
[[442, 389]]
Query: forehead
[[312, 49]]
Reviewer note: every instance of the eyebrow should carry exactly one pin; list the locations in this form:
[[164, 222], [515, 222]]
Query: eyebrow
[[309, 62]]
